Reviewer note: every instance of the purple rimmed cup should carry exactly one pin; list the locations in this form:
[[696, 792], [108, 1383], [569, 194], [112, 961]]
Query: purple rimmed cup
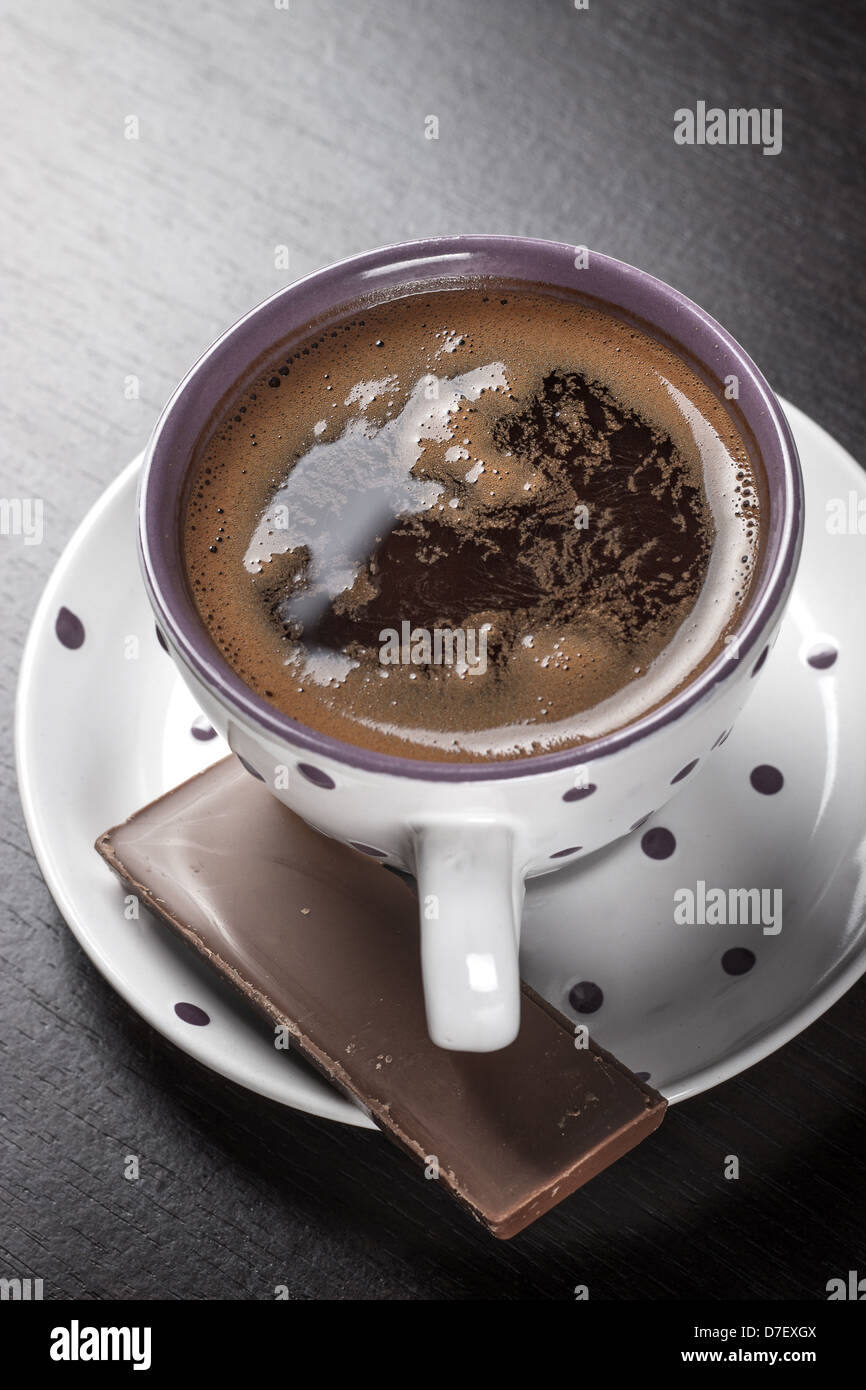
[[471, 832]]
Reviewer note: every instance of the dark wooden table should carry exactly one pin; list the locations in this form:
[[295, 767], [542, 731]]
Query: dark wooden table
[[123, 258]]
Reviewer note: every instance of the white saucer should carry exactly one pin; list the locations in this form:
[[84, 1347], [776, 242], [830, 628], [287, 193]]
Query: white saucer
[[102, 730]]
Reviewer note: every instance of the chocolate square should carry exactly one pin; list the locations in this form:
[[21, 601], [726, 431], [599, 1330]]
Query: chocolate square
[[324, 942]]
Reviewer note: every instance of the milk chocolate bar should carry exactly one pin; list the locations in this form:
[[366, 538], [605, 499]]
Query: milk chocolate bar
[[324, 943]]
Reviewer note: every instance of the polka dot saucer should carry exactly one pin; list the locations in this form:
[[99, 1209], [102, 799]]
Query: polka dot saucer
[[630, 941]]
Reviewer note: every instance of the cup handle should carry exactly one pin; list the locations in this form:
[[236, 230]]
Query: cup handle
[[470, 893]]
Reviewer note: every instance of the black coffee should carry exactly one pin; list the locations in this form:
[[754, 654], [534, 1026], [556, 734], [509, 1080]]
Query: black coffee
[[482, 521]]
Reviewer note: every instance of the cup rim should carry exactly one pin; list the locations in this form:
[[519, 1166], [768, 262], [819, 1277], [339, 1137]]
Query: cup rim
[[160, 491]]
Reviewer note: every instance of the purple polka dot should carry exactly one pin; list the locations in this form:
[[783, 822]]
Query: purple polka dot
[[638, 823], [760, 661], [738, 960], [766, 779], [578, 793], [69, 629], [684, 771], [160, 639], [201, 729], [643, 1075], [823, 656], [585, 997], [249, 767], [316, 776], [721, 739], [561, 853], [191, 1013], [658, 843], [368, 849]]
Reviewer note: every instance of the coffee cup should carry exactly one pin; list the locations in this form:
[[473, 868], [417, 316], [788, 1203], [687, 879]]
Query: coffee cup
[[472, 832]]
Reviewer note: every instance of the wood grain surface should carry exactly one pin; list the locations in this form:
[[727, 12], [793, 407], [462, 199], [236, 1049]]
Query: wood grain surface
[[304, 127]]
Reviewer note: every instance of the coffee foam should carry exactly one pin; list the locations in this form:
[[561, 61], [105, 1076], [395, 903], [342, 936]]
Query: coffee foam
[[421, 460]]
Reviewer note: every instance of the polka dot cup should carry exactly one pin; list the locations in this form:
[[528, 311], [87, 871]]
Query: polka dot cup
[[472, 833]]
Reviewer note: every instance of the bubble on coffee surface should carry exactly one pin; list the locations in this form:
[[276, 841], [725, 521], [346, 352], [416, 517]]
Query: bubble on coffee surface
[[472, 522]]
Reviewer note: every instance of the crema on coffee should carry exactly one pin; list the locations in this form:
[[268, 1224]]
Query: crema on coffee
[[482, 520]]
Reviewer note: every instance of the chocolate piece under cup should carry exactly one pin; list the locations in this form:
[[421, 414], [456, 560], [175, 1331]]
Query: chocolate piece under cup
[[324, 942]]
